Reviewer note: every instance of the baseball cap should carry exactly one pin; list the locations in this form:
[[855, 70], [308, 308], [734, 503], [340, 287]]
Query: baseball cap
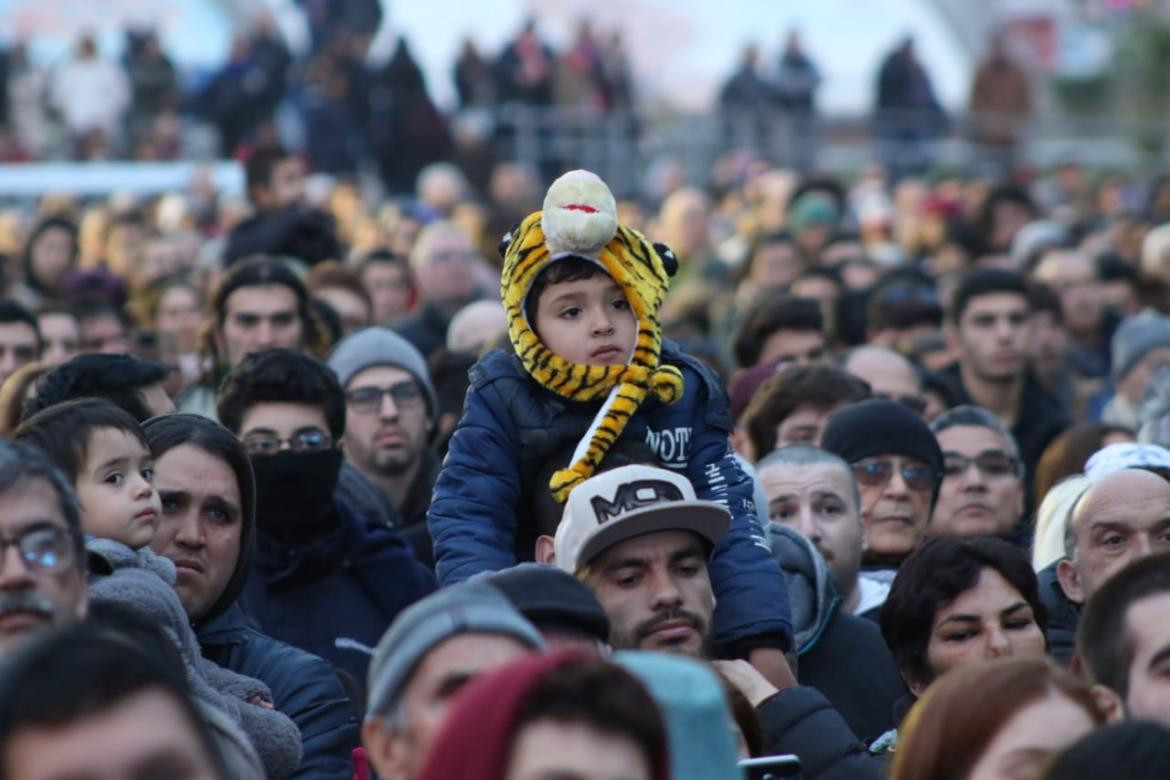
[[467, 608], [631, 501]]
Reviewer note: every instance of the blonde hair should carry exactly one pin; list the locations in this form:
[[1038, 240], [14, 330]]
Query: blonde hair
[[1154, 250], [1052, 518]]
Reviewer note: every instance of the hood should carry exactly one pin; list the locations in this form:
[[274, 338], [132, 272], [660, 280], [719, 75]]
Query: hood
[[812, 596]]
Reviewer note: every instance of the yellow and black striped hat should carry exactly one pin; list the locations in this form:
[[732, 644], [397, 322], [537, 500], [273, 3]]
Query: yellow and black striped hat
[[579, 219]]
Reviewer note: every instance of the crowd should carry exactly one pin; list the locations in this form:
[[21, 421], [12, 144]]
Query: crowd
[[869, 474]]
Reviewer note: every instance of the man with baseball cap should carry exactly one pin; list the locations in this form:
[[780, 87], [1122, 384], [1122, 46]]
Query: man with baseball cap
[[431, 650], [640, 539], [391, 408]]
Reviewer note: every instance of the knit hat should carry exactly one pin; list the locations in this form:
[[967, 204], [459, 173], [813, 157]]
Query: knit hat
[[579, 219], [468, 608], [1136, 336], [371, 347], [812, 209], [698, 719], [881, 427], [552, 598]]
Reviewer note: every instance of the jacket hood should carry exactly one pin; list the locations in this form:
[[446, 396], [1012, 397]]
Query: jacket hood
[[812, 595]]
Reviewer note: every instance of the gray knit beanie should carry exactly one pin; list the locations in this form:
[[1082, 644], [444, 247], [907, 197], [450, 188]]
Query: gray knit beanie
[[371, 347], [1136, 336]]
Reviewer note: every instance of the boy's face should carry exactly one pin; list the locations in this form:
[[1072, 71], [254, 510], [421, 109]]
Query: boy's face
[[116, 491], [587, 321]]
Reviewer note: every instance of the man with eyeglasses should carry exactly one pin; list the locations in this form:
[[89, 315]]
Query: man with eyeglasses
[[390, 418], [898, 467], [982, 492], [42, 575], [325, 578]]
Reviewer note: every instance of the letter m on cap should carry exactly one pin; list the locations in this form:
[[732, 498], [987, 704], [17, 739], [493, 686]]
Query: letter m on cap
[[633, 495]]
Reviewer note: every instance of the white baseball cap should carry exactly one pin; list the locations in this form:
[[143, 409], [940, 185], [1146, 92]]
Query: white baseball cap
[[631, 501]]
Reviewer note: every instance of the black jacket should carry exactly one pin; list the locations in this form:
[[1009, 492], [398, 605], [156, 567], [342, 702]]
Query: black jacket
[[336, 597], [841, 655], [427, 330], [801, 721], [1063, 616], [304, 687]]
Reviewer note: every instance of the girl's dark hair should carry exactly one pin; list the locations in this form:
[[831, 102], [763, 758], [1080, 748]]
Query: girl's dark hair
[[63, 432], [934, 575], [1133, 749]]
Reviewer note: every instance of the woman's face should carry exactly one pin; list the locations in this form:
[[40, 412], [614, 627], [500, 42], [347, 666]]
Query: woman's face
[[989, 620], [1031, 737], [52, 255]]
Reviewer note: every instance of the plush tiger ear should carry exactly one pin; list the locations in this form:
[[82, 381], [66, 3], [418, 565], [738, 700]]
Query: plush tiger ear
[[669, 260], [506, 240]]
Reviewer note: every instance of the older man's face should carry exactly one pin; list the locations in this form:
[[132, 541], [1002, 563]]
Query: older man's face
[[1124, 517], [49, 590]]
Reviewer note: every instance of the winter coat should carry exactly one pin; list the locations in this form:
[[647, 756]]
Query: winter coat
[[304, 687], [512, 426], [801, 721], [841, 655], [142, 582], [336, 597]]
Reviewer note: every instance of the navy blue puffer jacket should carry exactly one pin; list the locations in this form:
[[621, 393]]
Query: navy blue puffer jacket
[[510, 428]]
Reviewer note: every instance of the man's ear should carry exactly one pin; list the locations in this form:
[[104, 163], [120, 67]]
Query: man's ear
[[379, 743], [1070, 581], [1109, 702], [545, 550]]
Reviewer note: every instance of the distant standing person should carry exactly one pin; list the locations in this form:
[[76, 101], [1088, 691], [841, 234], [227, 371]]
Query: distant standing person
[[908, 116], [1001, 99]]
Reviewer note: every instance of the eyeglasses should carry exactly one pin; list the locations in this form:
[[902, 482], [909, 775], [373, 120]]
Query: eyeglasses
[[991, 463], [43, 548], [367, 400], [877, 471], [308, 440], [914, 403]]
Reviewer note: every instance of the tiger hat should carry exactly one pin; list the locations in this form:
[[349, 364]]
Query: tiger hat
[[579, 219]]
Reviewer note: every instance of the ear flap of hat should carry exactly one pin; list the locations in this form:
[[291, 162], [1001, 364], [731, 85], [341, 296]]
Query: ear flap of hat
[[669, 258], [506, 240]]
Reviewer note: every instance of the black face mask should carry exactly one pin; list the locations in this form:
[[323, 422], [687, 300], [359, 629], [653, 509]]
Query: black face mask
[[294, 494]]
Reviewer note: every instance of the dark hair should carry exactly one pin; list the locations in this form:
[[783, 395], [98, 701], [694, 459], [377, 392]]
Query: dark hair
[[13, 311], [262, 272], [902, 300], [821, 386], [22, 464], [1132, 749], [1004, 192], [781, 237], [83, 671], [168, 431], [567, 269], [42, 227], [449, 375], [770, 313], [602, 696], [333, 274], [1104, 642], [934, 575], [1042, 298], [984, 281], [64, 431], [948, 730], [1112, 267], [1067, 454], [282, 376], [118, 379], [260, 165]]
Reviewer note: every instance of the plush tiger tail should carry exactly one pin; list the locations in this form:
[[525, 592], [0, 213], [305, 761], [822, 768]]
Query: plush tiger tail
[[665, 382]]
